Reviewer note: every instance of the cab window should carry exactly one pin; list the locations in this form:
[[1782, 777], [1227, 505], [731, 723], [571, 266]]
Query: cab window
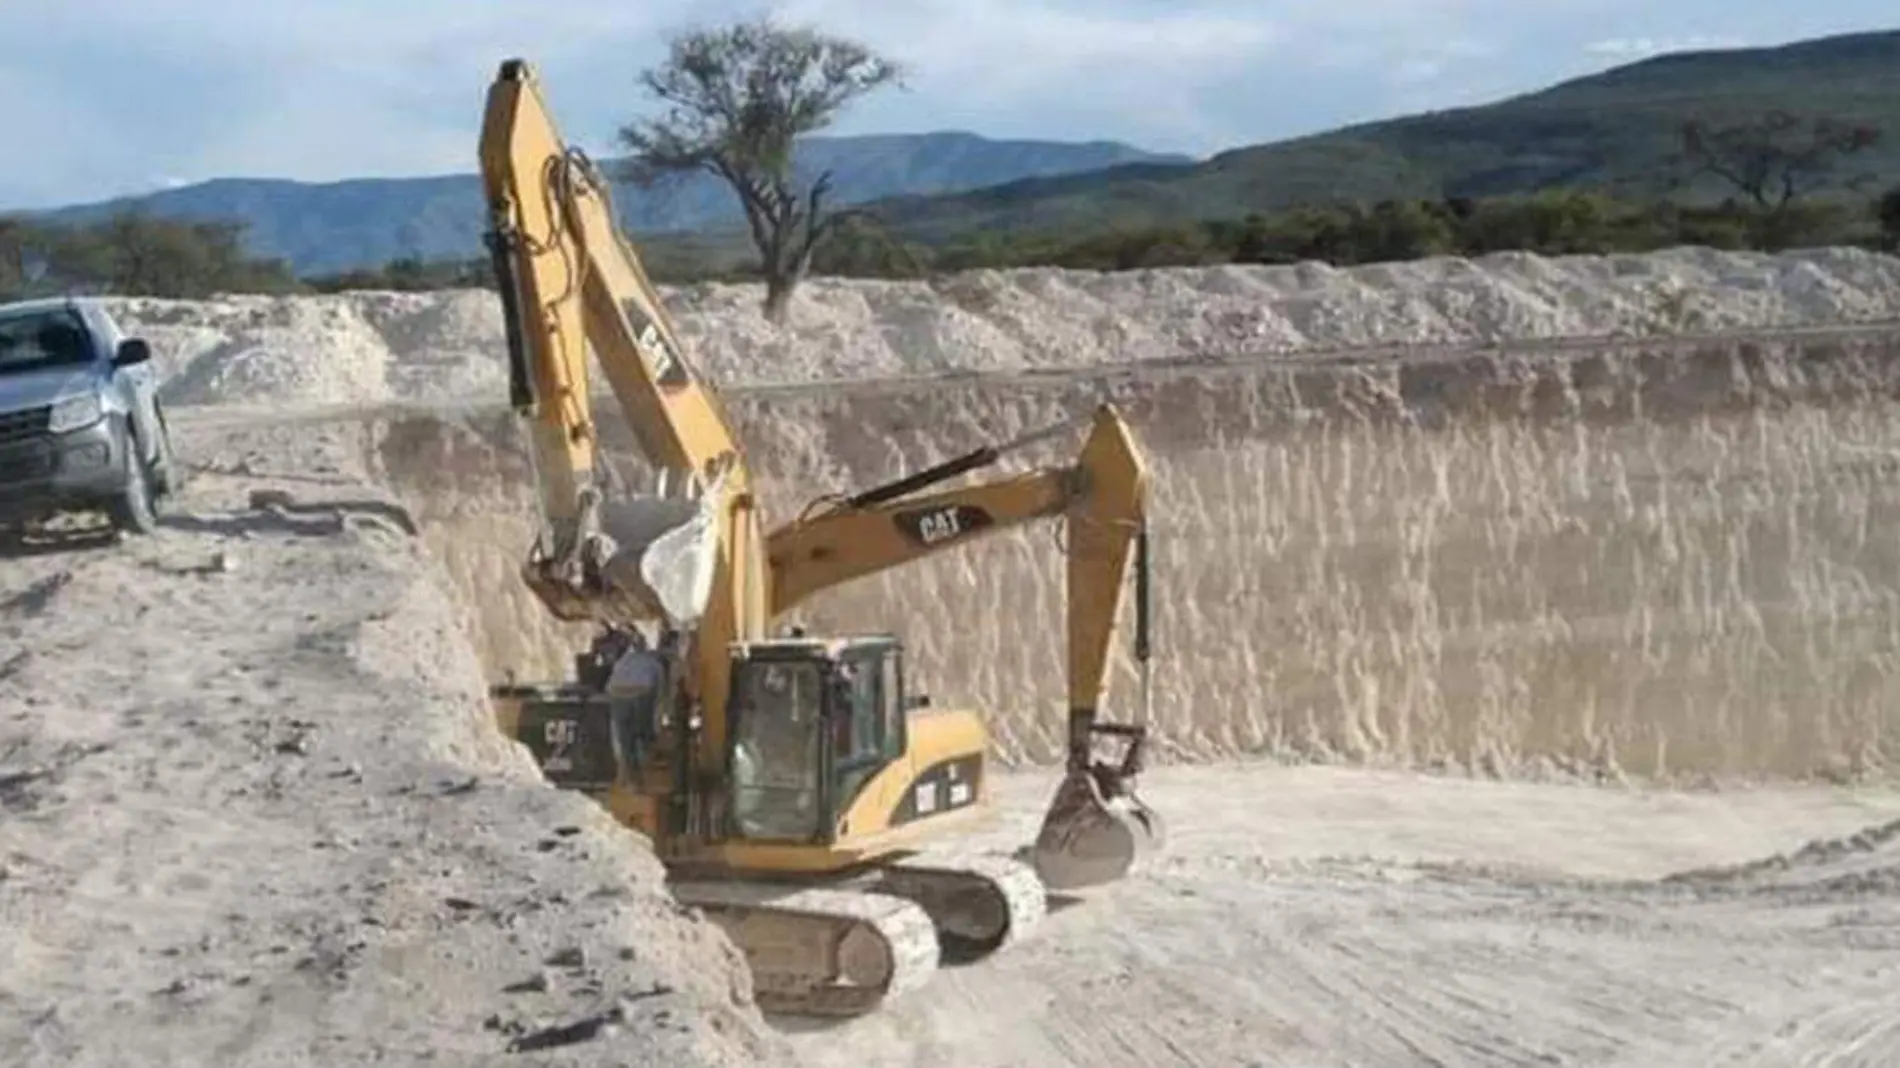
[[862, 742], [891, 705], [860, 723], [775, 749]]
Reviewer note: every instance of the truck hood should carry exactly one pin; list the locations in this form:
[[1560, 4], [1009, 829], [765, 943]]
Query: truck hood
[[30, 389]]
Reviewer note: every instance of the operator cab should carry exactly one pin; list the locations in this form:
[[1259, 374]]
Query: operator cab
[[811, 722]]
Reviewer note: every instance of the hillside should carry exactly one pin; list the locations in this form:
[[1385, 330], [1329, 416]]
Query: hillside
[[1616, 129], [332, 226]]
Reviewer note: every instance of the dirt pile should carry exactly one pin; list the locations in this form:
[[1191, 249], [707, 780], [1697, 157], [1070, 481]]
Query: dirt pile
[[406, 347], [255, 812]]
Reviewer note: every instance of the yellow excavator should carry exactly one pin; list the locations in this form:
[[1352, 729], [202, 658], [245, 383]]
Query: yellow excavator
[[796, 789]]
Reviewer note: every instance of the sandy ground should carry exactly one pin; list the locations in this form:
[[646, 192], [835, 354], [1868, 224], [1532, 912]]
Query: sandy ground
[[1319, 916]]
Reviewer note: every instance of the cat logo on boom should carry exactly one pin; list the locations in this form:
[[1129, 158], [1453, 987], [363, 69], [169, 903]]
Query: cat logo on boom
[[666, 363], [934, 526]]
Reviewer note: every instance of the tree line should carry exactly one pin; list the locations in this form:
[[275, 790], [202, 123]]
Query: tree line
[[133, 255], [1551, 223]]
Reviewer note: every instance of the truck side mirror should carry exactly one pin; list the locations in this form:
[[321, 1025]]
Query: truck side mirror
[[132, 351]]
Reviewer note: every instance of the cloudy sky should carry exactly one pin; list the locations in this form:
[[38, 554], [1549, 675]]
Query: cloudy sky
[[108, 97]]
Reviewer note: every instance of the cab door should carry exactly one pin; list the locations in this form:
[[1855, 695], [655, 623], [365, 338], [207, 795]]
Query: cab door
[[865, 729]]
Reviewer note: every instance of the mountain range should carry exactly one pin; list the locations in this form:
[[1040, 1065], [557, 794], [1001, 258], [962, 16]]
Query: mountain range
[[334, 226], [1617, 130]]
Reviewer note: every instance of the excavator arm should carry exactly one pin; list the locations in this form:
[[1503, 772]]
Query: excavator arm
[[1096, 829], [1101, 494]]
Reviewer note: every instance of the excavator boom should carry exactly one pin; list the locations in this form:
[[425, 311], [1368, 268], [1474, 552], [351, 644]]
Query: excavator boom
[[568, 278], [551, 211]]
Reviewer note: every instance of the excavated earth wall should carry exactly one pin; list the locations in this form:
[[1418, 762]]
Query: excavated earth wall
[[1654, 557]]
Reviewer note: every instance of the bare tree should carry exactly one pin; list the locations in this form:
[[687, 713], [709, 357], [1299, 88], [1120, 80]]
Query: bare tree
[[735, 102], [1776, 158]]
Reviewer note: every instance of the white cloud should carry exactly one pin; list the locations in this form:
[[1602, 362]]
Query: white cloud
[[1003, 44], [1192, 75], [1137, 71], [1630, 48]]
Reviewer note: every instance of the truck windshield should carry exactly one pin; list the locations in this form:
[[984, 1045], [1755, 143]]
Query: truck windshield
[[34, 340]]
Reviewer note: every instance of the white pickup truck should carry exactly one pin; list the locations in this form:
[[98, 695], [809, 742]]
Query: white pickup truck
[[80, 422]]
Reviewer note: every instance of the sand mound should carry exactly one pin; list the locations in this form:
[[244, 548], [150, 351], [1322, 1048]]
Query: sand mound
[[256, 813], [1045, 317], [379, 347], [316, 350]]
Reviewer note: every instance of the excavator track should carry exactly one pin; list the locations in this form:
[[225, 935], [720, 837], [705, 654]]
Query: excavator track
[[979, 905], [821, 951], [846, 950]]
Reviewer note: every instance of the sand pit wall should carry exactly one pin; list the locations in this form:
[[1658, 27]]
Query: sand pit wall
[[1645, 558]]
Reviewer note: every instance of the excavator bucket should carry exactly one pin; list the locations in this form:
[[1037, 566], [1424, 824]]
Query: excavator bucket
[[1096, 831], [664, 551]]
